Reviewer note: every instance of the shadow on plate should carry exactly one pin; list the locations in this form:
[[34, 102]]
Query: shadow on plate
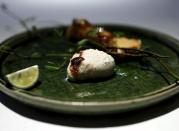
[[98, 121]]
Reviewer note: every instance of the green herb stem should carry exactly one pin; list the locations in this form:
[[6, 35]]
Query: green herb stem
[[54, 66], [63, 64], [58, 33], [119, 34], [168, 68], [86, 43], [152, 54], [56, 54], [51, 68], [10, 13]]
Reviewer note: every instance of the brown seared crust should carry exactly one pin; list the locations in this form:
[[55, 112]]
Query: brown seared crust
[[104, 36], [75, 64], [81, 28], [123, 42]]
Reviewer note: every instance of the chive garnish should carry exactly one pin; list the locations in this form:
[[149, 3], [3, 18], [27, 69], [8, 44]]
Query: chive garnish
[[51, 68], [167, 68], [118, 34]]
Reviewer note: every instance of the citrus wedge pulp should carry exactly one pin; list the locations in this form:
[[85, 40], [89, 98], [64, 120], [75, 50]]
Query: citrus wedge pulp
[[24, 78]]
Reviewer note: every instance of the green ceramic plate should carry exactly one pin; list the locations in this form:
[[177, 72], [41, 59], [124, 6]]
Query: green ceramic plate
[[136, 84]]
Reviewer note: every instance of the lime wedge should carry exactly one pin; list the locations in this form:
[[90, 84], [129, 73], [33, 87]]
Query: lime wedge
[[24, 78]]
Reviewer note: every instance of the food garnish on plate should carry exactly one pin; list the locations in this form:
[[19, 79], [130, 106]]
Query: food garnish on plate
[[109, 42], [98, 50]]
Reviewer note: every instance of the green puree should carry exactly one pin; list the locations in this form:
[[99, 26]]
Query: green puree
[[132, 79]]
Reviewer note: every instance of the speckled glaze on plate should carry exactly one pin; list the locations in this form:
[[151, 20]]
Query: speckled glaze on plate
[[136, 84]]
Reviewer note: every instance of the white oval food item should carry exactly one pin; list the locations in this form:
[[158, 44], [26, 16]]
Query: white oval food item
[[90, 64]]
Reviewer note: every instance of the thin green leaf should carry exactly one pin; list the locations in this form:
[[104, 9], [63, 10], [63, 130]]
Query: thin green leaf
[[58, 55], [51, 68], [55, 66], [36, 55], [21, 21], [94, 32], [85, 43], [58, 33], [134, 52], [50, 62], [168, 68], [118, 34]]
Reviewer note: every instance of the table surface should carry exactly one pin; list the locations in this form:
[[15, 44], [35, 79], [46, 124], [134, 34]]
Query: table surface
[[160, 15]]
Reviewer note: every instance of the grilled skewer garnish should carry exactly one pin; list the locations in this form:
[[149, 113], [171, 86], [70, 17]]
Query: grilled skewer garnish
[[82, 29]]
